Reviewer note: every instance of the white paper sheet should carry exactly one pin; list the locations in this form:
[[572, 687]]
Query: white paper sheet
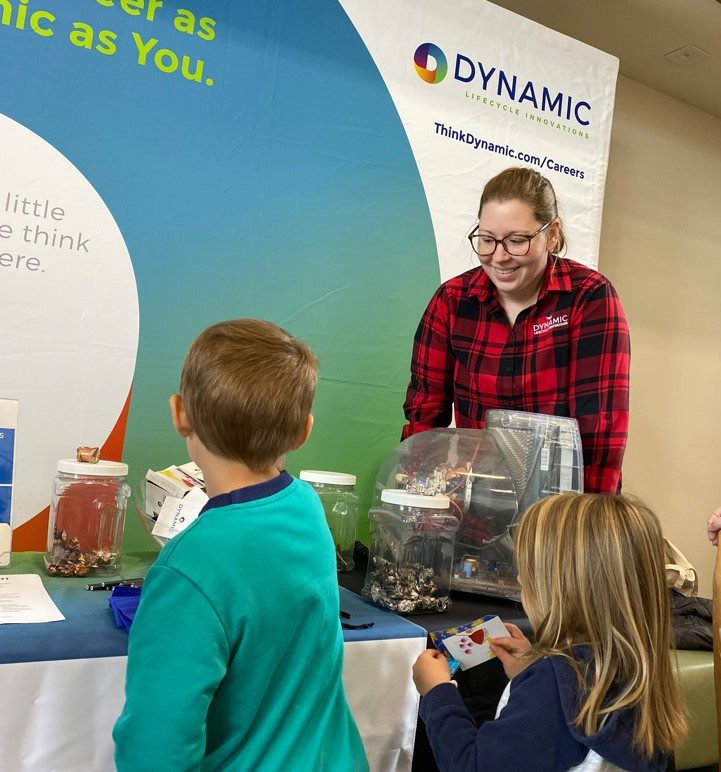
[[23, 598]]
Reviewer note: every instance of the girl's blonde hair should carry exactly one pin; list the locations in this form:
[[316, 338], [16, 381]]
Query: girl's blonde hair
[[592, 573]]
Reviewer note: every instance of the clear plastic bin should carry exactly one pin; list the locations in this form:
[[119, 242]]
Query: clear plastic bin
[[491, 477]]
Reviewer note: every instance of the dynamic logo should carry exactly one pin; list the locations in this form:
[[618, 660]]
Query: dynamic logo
[[550, 322], [493, 81], [430, 63]]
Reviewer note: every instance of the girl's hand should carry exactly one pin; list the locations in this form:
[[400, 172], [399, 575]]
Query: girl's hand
[[430, 670], [512, 650]]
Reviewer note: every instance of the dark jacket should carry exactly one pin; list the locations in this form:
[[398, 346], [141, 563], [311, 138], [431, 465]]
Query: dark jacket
[[691, 620]]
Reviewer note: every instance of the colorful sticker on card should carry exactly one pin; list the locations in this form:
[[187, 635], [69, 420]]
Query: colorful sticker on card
[[468, 644], [8, 430]]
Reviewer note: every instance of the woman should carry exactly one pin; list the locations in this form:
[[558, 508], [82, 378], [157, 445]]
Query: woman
[[527, 330]]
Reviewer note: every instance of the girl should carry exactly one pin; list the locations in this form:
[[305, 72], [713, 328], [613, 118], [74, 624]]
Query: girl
[[596, 691]]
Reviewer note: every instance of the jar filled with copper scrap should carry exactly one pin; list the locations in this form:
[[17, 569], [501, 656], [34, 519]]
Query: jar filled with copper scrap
[[87, 517]]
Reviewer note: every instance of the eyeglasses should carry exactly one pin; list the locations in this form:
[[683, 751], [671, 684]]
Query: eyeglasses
[[516, 245]]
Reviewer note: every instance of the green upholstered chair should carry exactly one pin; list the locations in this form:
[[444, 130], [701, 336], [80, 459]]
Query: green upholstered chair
[[695, 672], [699, 675]]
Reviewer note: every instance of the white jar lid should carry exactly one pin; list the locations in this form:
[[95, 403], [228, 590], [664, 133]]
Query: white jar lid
[[406, 499], [329, 478], [101, 469]]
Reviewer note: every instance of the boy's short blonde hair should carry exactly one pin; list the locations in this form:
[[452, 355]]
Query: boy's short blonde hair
[[247, 387]]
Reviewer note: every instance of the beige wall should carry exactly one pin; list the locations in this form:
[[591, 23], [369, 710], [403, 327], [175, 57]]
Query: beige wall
[[661, 247]]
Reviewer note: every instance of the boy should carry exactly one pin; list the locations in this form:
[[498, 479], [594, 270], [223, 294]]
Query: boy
[[236, 652]]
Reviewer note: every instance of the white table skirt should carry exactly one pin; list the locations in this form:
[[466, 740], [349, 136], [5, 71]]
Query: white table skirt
[[57, 716], [384, 701]]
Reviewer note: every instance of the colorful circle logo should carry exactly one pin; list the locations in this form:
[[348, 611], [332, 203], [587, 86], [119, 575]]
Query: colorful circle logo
[[430, 63]]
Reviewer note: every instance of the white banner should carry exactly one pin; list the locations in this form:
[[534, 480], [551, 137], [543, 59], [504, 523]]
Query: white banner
[[479, 89], [69, 318]]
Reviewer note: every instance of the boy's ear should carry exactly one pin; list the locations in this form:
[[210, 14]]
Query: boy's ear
[[179, 417], [305, 432]]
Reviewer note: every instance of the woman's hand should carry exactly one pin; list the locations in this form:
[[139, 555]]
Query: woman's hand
[[512, 650], [713, 526], [430, 670]]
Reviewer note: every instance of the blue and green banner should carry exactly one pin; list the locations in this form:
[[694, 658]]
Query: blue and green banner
[[168, 164]]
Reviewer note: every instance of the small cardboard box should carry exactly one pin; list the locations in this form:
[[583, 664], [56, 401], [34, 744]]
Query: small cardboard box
[[174, 498]]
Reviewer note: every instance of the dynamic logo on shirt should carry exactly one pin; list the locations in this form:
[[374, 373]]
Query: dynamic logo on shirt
[[430, 62], [550, 323]]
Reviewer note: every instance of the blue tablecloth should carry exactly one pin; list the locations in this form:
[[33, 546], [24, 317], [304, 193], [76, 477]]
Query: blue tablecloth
[[385, 624], [89, 628]]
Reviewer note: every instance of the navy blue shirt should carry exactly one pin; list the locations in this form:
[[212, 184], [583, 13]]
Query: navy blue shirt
[[534, 732], [250, 492]]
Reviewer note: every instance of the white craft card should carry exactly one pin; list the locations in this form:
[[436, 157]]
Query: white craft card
[[470, 648]]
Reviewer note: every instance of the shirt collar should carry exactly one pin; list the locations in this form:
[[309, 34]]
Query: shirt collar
[[250, 492], [556, 278]]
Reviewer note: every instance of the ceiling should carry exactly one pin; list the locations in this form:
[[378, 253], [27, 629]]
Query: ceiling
[[640, 33]]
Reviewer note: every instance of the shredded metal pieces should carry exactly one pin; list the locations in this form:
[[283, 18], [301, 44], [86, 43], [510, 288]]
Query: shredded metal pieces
[[406, 589], [67, 559]]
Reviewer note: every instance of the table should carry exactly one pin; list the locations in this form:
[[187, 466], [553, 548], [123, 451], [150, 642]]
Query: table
[[377, 673], [465, 606], [63, 682], [481, 687]]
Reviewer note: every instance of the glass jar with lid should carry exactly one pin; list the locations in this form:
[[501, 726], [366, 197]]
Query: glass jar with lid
[[87, 517], [411, 553], [336, 491]]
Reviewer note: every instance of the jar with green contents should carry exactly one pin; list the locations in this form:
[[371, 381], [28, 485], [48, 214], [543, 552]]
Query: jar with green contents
[[336, 491]]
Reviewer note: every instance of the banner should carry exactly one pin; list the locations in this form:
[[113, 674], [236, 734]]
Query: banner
[[173, 165], [479, 89], [69, 319], [167, 166]]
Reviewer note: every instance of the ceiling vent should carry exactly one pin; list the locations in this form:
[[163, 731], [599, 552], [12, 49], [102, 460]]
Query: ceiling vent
[[687, 54]]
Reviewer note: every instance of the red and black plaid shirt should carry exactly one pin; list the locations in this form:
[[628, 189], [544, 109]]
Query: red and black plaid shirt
[[567, 355]]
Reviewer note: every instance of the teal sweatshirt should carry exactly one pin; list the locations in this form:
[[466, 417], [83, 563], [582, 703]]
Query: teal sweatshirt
[[236, 652]]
